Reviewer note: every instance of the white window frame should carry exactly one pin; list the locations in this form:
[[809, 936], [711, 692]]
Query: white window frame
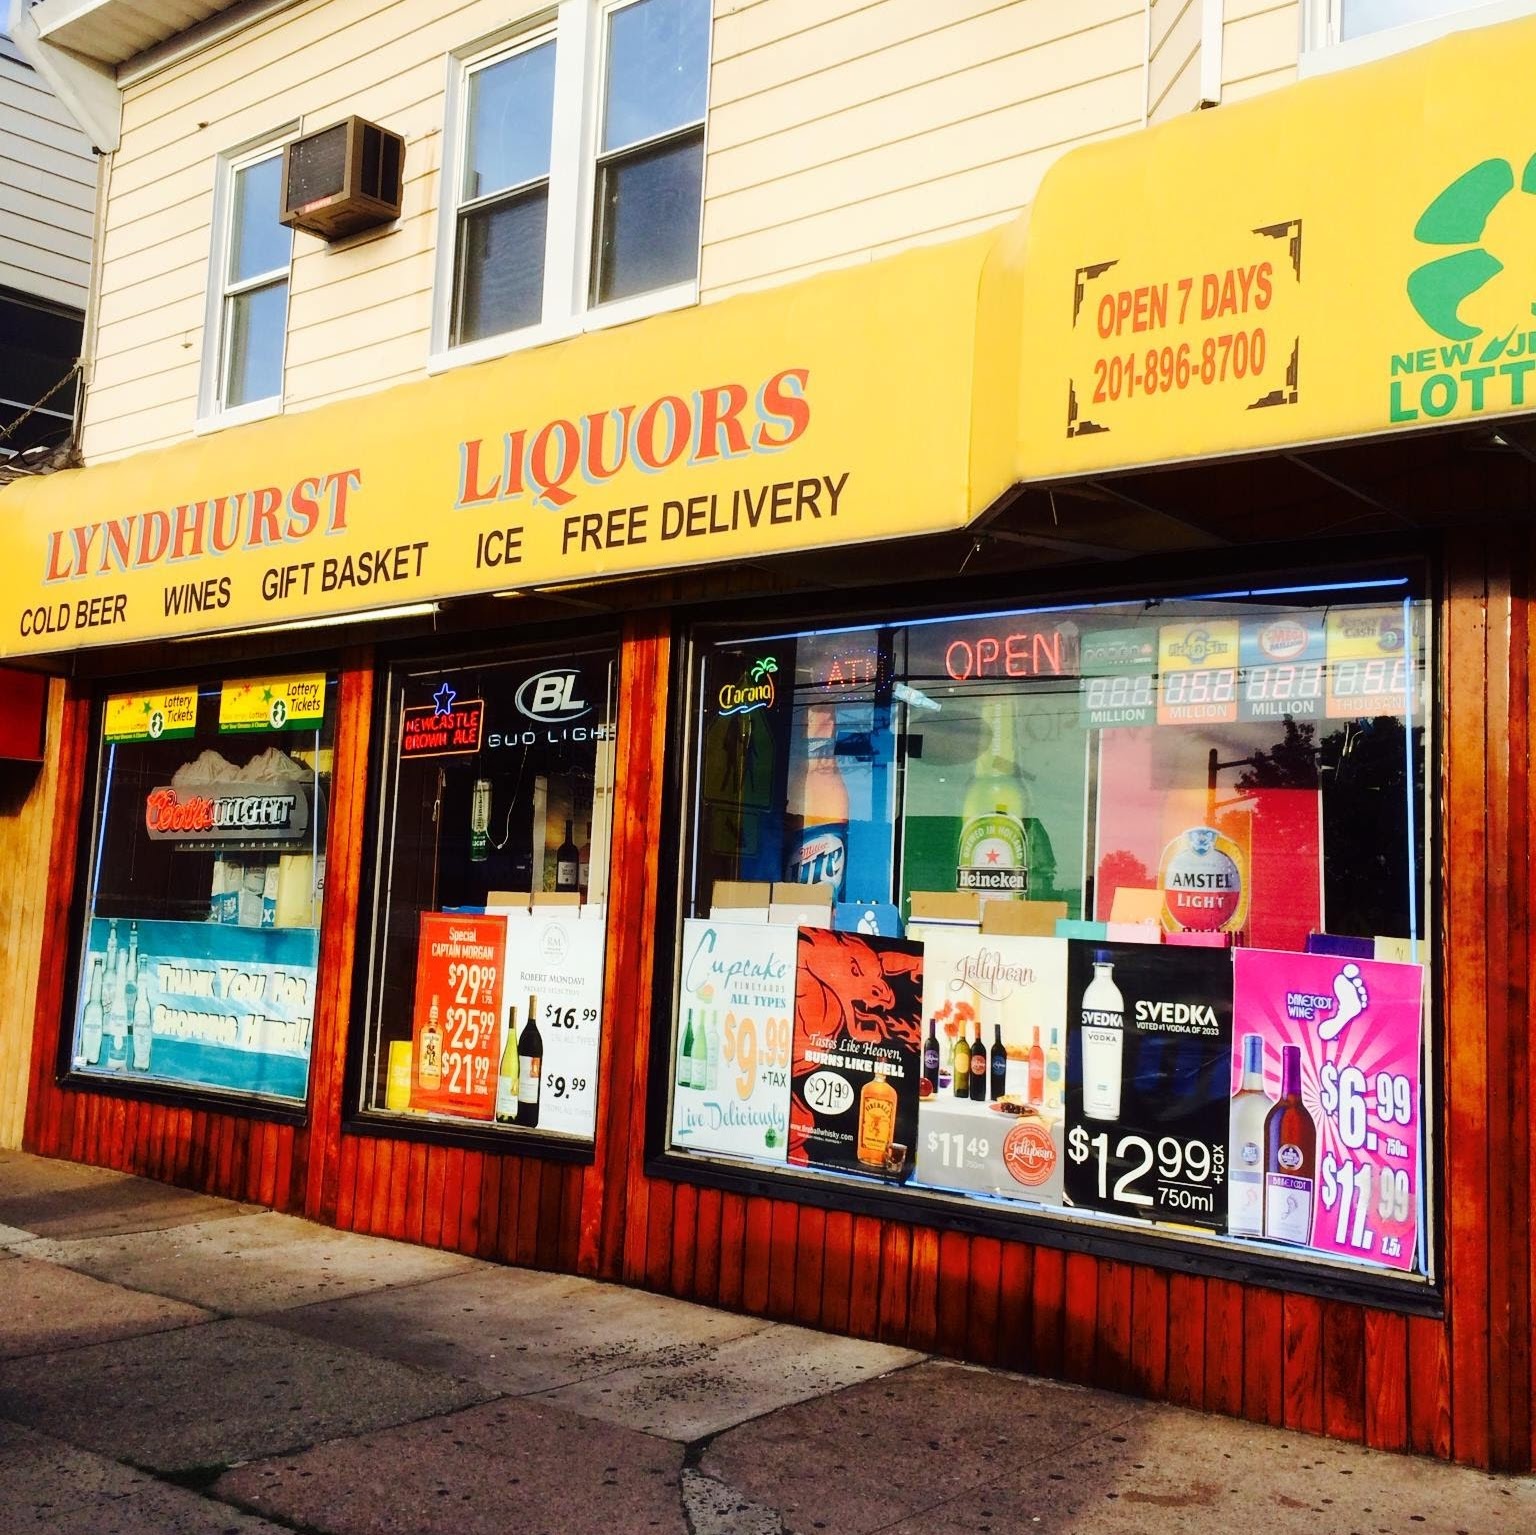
[[579, 28], [212, 414], [1322, 50]]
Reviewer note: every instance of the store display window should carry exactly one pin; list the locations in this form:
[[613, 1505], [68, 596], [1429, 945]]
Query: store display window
[[206, 876], [485, 986], [1111, 914]]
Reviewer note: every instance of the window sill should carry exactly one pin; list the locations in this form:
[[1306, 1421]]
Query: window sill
[[604, 317], [1324, 58], [242, 415]]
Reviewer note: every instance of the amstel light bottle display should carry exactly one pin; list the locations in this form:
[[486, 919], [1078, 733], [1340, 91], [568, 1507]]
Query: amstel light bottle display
[[1113, 914], [485, 978]]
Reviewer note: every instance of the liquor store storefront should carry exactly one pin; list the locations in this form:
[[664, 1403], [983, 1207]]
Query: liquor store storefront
[[998, 832]]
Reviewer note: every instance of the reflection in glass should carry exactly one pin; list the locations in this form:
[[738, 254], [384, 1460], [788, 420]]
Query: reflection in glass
[[511, 116], [258, 243], [501, 255], [256, 323], [658, 69], [647, 230]]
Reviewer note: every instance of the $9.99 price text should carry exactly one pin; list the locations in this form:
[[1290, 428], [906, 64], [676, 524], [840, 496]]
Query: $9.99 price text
[[753, 1045]]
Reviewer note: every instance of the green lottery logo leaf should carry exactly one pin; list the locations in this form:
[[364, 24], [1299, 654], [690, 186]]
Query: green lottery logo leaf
[[1458, 215]]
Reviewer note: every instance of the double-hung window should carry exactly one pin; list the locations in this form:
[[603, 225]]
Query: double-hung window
[[248, 300], [574, 173]]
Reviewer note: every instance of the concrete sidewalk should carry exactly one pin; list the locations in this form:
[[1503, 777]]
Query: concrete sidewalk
[[182, 1365]]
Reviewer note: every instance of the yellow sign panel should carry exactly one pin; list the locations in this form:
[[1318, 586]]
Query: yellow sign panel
[[1197, 667], [164, 716], [1346, 256], [272, 703], [827, 413]]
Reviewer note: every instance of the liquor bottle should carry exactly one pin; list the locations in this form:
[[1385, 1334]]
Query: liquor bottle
[[978, 1081], [91, 1022], [816, 808], [700, 1055], [1036, 1074], [960, 1064], [1245, 1148], [1290, 1158], [1053, 1073], [931, 1056], [685, 1056], [567, 862], [480, 821], [994, 844], [506, 1074], [712, 1051], [1103, 1022], [998, 1063], [432, 1051], [584, 864], [143, 1030], [530, 1068], [877, 1119]]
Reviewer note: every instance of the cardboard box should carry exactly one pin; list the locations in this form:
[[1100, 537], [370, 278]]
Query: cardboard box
[[740, 900], [796, 905], [1026, 919], [557, 898]]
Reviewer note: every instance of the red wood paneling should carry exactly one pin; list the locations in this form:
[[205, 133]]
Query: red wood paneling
[[1461, 1388]]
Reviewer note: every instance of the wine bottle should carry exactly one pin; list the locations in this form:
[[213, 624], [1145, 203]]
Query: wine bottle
[[712, 1050], [931, 1056], [1245, 1150], [1290, 1158], [530, 1067], [506, 1075], [1035, 1076], [978, 1080], [999, 1064], [685, 1056], [960, 1067], [1053, 1074], [567, 861]]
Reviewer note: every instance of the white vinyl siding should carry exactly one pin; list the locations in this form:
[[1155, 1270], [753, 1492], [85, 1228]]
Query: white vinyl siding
[[47, 189], [1173, 80]]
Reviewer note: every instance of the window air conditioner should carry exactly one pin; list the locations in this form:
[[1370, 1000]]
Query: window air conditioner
[[343, 179]]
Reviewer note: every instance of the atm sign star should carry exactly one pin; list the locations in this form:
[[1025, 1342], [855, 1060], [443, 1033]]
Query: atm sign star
[[443, 698]]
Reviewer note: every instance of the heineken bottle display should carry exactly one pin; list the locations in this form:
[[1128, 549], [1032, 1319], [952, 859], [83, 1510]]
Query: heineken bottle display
[[994, 839]]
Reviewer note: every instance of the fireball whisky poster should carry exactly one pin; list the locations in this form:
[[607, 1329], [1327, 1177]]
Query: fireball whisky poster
[[856, 1059], [997, 1132], [455, 1023], [730, 1072], [1149, 1051], [1345, 1176]]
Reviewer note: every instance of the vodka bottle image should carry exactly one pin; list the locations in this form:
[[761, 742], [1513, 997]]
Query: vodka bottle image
[[530, 1068], [817, 809], [1103, 1027], [993, 856], [91, 1023], [1290, 1158], [506, 1074], [1245, 1149]]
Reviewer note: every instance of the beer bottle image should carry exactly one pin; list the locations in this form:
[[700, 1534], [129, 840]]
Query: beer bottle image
[[978, 1081], [931, 1059], [91, 1023], [685, 1057], [877, 1119], [1103, 1025], [567, 861], [506, 1075], [817, 808], [1245, 1149], [530, 1067], [960, 1067], [432, 1051], [1290, 1158], [994, 844], [998, 1061]]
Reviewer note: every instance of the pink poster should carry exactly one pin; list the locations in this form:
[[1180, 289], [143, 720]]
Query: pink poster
[[1326, 1138]]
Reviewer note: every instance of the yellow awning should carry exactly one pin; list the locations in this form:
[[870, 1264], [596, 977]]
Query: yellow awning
[[1346, 256], [826, 413]]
